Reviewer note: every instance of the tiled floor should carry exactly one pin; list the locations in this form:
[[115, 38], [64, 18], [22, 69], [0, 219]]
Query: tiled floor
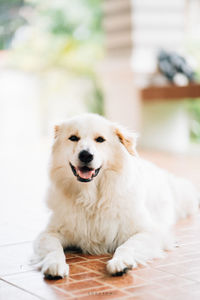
[[177, 276]]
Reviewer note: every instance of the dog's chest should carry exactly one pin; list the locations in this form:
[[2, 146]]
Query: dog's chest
[[95, 229]]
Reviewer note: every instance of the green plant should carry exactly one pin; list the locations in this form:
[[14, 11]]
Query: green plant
[[62, 35], [95, 101], [194, 110], [10, 20]]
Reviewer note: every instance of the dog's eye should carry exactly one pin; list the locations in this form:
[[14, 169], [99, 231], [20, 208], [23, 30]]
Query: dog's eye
[[100, 139], [74, 138]]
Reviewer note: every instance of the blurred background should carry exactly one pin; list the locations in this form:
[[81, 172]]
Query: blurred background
[[136, 62]]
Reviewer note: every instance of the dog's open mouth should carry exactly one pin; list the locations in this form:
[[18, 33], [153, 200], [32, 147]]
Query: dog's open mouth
[[84, 174]]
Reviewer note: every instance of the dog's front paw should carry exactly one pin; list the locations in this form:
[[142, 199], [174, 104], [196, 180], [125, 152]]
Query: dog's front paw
[[119, 266], [54, 266]]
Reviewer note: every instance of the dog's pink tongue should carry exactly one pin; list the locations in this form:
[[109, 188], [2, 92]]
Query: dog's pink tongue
[[85, 175]]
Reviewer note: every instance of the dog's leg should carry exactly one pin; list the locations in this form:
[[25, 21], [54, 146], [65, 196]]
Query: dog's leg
[[49, 255], [138, 249]]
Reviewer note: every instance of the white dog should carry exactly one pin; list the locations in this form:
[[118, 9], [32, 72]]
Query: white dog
[[105, 199]]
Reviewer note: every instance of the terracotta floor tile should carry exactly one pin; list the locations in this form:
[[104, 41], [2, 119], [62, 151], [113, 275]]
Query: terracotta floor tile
[[149, 274], [168, 260], [95, 265], [84, 284], [192, 265], [141, 267], [123, 281], [70, 255], [35, 283], [108, 294], [153, 287], [56, 282], [195, 246], [84, 276], [105, 259], [35, 277], [173, 281], [184, 292], [98, 289], [191, 255], [195, 276], [60, 294], [103, 256], [174, 277], [194, 288], [188, 266], [147, 296], [75, 259], [186, 296], [77, 269], [173, 268]]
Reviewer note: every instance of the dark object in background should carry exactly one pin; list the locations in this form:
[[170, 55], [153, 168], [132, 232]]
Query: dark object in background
[[171, 64]]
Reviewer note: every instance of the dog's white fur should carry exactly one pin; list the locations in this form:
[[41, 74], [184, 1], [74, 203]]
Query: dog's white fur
[[128, 209]]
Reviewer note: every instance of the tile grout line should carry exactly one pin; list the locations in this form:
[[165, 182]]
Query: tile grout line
[[120, 288], [84, 289], [89, 290], [176, 263], [15, 244], [83, 273], [170, 273], [110, 286], [87, 269], [16, 273], [107, 285], [184, 277], [22, 289], [64, 292], [101, 276]]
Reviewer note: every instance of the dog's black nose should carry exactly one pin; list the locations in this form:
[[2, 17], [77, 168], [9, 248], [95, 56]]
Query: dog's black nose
[[85, 156]]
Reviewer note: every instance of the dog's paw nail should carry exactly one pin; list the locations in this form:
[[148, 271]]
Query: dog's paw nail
[[55, 269], [118, 267], [124, 271], [50, 277]]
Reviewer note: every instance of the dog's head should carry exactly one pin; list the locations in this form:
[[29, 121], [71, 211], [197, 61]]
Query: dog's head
[[87, 145]]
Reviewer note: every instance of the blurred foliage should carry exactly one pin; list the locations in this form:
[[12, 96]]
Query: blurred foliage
[[10, 20], [193, 47], [96, 106], [58, 34], [194, 109]]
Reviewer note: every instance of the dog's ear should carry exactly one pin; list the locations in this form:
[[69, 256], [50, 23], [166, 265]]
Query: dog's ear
[[128, 139], [56, 131]]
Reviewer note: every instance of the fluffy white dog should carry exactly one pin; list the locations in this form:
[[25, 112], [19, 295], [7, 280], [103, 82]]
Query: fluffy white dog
[[105, 199]]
